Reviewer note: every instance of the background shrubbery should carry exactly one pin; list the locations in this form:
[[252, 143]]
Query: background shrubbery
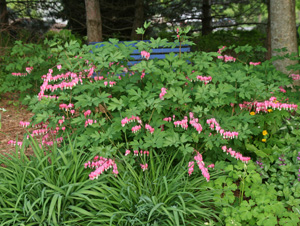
[[52, 186]]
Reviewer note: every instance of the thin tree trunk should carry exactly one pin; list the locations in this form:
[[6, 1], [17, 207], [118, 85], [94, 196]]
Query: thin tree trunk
[[138, 19], [268, 44], [3, 14], [283, 30], [206, 17], [93, 20]]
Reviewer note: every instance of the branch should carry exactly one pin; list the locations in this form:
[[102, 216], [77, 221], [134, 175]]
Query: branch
[[117, 29]]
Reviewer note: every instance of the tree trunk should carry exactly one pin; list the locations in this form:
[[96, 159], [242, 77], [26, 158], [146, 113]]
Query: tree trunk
[[268, 44], [206, 17], [283, 30], [138, 19], [3, 14], [93, 20]]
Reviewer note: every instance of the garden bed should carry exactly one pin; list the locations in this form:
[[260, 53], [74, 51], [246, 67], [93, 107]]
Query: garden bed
[[10, 127]]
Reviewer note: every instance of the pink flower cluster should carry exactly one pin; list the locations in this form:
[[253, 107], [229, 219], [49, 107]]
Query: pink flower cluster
[[75, 79], [281, 89], [145, 54], [29, 69], [24, 124], [194, 123], [229, 58], [201, 165], [61, 121], [13, 143], [144, 166], [191, 167], [135, 129], [169, 119], [295, 76], [254, 63], [236, 155], [98, 78], [89, 122], [214, 125], [126, 120], [149, 128], [162, 93], [183, 123], [112, 83], [66, 107], [19, 74], [87, 113], [101, 164], [137, 152], [263, 106], [205, 79]]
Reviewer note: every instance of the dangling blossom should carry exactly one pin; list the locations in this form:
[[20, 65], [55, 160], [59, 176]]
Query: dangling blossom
[[112, 83], [29, 69], [87, 113], [136, 128], [127, 152], [201, 164], [59, 67], [144, 167], [191, 168], [236, 155], [149, 128], [145, 54], [295, 76], [24, 124], [163, 92], [126, 120], [254, 63], [89, 122], [214, 125], [101, 165]]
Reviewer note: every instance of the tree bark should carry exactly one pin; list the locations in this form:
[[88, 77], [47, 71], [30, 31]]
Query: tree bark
[[268, 44], [283, 30], [3, 14], [138, 19], [93, 20], [206, 17]]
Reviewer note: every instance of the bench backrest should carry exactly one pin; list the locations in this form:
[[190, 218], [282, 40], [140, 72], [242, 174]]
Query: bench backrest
[[159, 53]]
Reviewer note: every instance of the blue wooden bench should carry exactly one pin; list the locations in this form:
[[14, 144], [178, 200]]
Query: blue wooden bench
[[159, 53]]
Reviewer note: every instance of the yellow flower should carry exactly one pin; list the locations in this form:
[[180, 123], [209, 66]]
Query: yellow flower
[[270, 110], [252, 113], [264, 140], [264, 132]]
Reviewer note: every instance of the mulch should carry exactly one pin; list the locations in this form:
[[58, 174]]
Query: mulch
[[10, 119]]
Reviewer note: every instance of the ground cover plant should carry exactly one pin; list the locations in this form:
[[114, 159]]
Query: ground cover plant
[[205, 107]]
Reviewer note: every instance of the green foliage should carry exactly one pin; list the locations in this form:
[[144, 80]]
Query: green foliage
[[62, 36], [163, 195], [253, 38], [232, 83], [47, 188], [259, 203], [22, 56]]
